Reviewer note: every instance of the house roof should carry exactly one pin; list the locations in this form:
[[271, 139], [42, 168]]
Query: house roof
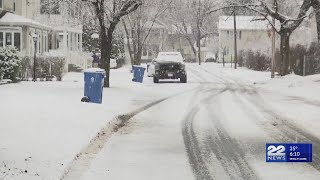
[[11, 19], [243, 23]]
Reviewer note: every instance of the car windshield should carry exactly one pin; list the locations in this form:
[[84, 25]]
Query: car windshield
[[168, 56]]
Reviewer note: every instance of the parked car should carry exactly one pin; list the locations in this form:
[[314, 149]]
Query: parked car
[[113, 63], [211, 59], [168, 65]]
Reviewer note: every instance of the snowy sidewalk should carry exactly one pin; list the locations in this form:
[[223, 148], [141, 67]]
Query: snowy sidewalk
[[44, 124]]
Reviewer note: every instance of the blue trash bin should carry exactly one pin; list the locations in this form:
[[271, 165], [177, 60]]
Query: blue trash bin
[[93, 86], [138, 73]]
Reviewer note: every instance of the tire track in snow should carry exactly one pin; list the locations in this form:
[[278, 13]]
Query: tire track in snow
[[280, 128], [286, 130], [197, 159], [226, 149], [306, 101], [82, 160]]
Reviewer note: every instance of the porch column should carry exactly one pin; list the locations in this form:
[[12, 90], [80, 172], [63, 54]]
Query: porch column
[[76, 41], [65, 41], [69, 41], [80, 41]]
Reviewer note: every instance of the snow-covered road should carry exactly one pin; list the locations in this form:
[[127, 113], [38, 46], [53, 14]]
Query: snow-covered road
[[216, 131]]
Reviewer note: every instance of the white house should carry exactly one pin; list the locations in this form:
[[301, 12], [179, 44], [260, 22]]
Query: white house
[[57, 25], [252, 34]]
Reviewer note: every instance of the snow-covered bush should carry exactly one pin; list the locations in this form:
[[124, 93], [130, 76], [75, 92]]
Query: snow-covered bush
[[297, 56], [55, 64], [254, 60], [10, 63], [26, 66], [45, 65]]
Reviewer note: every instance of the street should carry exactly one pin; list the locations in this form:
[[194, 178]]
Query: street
[[217, 130]]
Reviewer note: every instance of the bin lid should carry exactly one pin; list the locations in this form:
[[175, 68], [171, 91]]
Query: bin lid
[[139, 66], [94, 70]]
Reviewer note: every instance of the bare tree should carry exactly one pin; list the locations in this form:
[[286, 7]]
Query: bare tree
[[141, 23], [109, 14], [192, 22], [286, 23]]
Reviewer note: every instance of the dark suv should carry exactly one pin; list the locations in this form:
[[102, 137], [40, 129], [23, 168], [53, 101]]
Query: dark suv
[[169, 65]]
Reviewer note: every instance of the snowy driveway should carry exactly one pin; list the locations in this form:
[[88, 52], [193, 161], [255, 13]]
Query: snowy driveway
[[216, 131]]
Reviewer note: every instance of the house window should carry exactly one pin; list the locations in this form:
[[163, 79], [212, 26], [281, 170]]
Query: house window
[[17, 41], [8, 39], [1, 2], [71, 42], [227, 33], [1, 38], [79, 45], [240, 34]]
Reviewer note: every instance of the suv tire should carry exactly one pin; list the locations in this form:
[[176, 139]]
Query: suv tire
[[183, 79], [155, 80]]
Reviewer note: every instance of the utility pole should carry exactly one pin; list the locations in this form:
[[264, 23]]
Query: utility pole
[[273, 43], [235, 38], [224, 53], [304, 65]]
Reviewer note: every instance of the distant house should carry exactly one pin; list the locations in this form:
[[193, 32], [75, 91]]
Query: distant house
[[177, 41], [252, 34], [154, 43], [171, 38]]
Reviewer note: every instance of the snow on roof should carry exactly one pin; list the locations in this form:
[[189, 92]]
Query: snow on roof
[[244, 22], [13, 19], [68, 29]]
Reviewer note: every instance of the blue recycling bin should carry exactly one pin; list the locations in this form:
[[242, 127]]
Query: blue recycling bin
[[138, 73], [93, 86]]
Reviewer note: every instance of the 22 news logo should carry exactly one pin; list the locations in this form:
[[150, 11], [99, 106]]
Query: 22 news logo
[[276, 153]]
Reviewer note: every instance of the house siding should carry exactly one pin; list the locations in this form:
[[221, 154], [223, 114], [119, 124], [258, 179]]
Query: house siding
[[255, 40]]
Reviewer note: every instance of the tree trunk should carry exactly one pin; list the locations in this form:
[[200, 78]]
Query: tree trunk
[[199, 44], [285, 53], [199, 50], [138, 56], [191, 43], [128, 41], [105, 46]]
